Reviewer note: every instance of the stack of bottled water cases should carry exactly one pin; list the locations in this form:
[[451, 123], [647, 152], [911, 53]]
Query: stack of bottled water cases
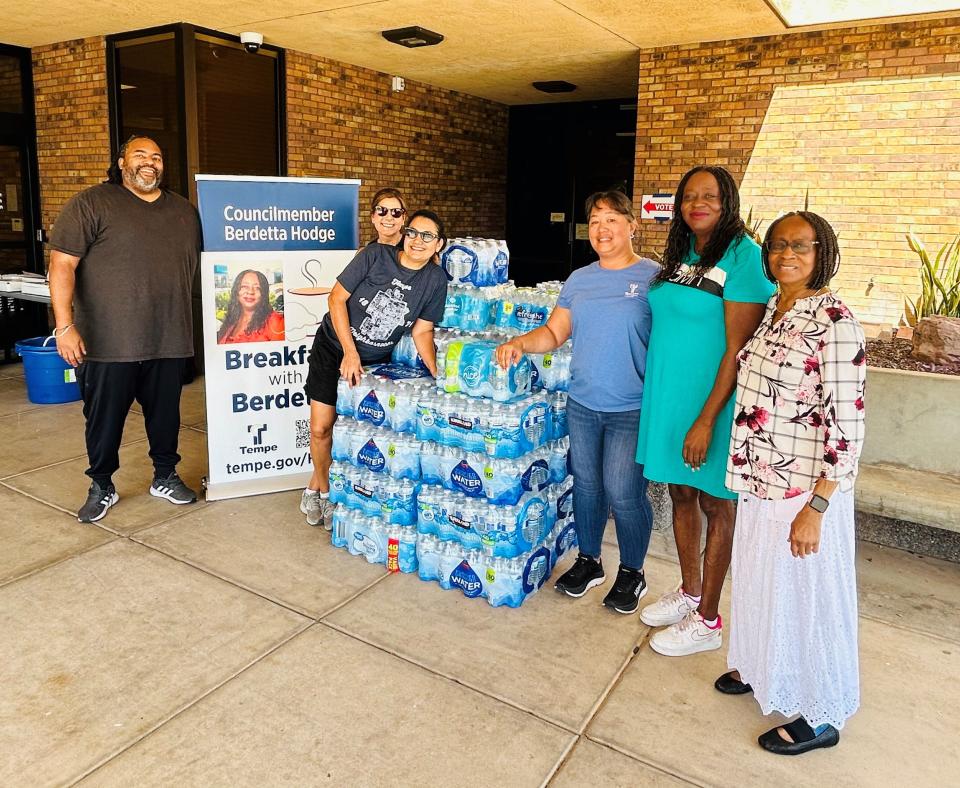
[[470, 472]]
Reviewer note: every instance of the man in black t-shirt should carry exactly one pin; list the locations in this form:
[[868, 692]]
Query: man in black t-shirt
[[124, 254]]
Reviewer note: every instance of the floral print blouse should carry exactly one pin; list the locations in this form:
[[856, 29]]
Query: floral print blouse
[[799, 401]]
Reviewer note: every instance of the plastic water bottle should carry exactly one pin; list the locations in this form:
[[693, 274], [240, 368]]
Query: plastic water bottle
[[338, 482], [428, 557], [559, 449], [407, 554], [558, 415], [460, 261], [501, 263], [451, 554], [504, 582], [344, 398], [534, 470], [341, 525]]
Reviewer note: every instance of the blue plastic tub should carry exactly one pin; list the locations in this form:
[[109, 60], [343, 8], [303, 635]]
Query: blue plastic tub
[[50, 379]]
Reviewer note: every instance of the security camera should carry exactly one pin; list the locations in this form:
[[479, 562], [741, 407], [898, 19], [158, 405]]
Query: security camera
[[251, 42]]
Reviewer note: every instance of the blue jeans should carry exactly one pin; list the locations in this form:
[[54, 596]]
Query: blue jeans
[[605, 475]]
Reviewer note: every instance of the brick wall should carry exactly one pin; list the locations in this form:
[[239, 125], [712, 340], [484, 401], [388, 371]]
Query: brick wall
[[867, 119], [443, 150], [73, 139]]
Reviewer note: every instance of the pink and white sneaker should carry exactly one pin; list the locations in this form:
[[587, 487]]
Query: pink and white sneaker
[[689, 636], [669, 608]]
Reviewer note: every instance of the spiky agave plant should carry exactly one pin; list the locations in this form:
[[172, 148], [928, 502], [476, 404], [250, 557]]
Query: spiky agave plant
[[939, 282]]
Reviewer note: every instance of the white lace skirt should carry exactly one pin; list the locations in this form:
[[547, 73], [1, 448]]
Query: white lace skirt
[[793, 633]]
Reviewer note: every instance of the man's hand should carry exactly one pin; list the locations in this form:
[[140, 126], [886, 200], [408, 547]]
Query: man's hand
[[70, 346]]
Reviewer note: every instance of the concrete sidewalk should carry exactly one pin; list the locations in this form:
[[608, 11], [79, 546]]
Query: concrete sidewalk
[[229, 644]]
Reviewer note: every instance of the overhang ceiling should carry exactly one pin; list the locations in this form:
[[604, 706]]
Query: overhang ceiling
[[492, 48]]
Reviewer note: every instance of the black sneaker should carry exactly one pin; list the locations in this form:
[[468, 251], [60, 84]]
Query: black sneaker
[[628, 589], [173, 489], [585, 573], [99, 499]]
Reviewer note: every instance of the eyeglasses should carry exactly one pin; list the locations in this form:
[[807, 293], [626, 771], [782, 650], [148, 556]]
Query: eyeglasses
[[799, 247], [396, 213], [426, 235]]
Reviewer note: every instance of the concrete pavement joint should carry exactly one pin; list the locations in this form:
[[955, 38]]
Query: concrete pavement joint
[[560, 762], [230, 581], [62, 462], [57, 562], [650, 764], [119, 751], [453, 679]]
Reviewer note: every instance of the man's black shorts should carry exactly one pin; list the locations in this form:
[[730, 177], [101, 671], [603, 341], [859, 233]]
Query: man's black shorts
[[323, 371]]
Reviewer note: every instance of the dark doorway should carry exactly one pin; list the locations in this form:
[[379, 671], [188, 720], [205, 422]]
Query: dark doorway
[[558, 155], [20, 234]]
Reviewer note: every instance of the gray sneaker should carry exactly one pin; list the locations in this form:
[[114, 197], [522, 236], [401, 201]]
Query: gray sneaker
[[173, 489], [319, 511], [311, 506], [98, 501], [327, 508]]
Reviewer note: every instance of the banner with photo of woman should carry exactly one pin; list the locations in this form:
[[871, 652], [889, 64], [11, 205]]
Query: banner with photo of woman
[[272, 250]]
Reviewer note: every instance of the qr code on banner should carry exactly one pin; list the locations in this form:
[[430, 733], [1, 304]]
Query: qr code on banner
[[303, 433]]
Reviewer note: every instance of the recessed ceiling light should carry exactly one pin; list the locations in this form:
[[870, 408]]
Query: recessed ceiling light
[[412, 37], [555, 86]]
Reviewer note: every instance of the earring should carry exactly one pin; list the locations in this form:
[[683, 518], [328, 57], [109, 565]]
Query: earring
[[632, 236]]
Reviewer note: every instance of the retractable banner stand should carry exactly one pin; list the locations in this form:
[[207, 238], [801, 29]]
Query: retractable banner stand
[[272, 250]]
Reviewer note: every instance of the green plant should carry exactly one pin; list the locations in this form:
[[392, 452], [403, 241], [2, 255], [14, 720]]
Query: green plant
[[753, 227], [939, 282]]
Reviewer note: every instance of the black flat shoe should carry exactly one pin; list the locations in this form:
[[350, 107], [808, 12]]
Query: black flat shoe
[[804, 738], [728, 685]]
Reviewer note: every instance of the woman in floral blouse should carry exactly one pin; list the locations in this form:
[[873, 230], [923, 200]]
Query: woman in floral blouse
[[796, 441]]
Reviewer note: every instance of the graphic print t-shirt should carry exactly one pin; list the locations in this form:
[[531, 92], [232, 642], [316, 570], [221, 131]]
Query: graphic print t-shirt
[[386, 299]]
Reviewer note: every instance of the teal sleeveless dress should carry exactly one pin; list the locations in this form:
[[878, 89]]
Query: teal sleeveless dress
[[687, 342]]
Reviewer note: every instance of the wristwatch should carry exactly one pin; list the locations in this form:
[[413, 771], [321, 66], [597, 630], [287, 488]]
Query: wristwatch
[[818, 503]]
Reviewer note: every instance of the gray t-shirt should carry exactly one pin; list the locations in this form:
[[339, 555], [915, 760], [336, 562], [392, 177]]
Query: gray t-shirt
[[386, 299], [132, 300]]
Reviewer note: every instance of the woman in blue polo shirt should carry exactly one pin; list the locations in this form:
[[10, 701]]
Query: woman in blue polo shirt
[[604, 308]]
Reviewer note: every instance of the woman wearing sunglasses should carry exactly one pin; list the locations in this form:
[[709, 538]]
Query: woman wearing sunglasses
[[382, 294], [387, 209]]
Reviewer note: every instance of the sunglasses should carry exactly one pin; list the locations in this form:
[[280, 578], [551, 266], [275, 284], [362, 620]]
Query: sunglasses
[[396, 213], [426, 235]]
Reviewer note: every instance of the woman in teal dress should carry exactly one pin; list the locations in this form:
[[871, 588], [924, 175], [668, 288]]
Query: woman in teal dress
[[706, 302]]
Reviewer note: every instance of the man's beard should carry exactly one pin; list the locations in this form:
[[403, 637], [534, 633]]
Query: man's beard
[[142, 183]]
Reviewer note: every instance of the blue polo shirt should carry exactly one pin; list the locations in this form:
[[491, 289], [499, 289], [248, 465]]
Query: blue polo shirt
[[610, 315]]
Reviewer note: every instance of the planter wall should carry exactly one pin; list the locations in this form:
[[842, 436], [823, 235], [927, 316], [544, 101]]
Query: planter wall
[[913, 419]]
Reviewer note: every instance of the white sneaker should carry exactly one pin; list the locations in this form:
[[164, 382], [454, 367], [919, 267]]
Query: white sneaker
[[310, 505], [689, 636], [668, 609]]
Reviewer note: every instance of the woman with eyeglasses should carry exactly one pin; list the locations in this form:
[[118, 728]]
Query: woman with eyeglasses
[[249, 316], [707, 300], [793, 459], [387, 209], [382, 294]]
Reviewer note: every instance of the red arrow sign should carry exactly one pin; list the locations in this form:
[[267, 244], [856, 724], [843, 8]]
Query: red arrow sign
[[650, 207]]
